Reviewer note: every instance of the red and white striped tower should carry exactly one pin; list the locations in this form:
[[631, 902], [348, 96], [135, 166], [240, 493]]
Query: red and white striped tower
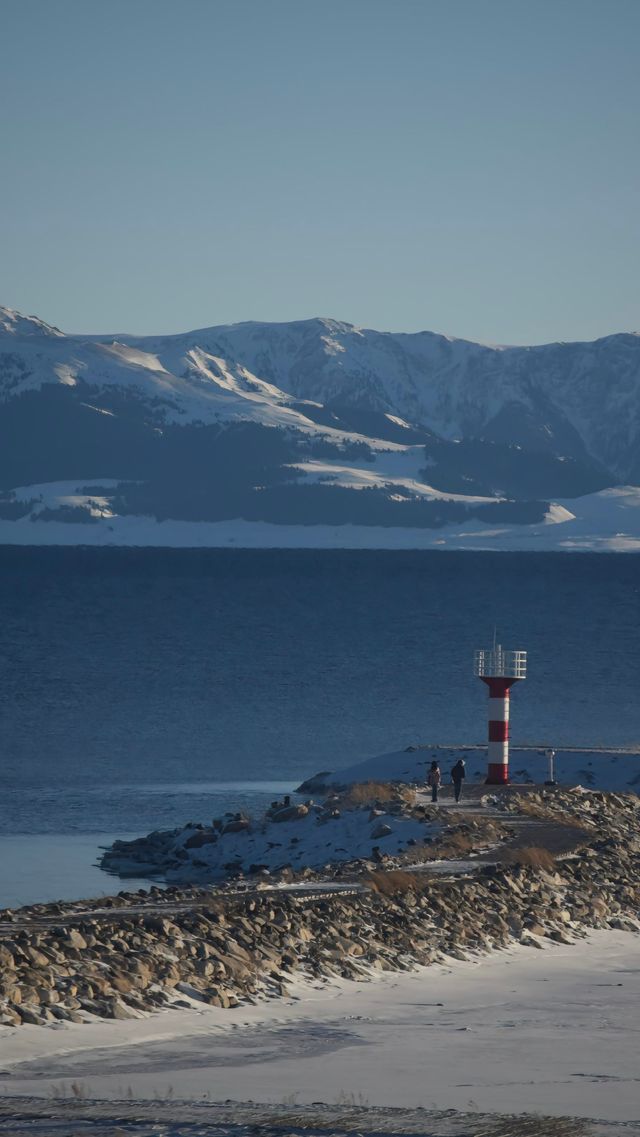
[[499, 669]]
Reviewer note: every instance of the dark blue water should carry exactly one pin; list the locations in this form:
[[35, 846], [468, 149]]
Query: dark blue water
[[134, 682]]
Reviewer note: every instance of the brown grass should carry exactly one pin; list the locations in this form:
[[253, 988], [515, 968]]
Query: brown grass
[[366, 793], [457, 843], [393, 881], [534, 856], [452, 847]]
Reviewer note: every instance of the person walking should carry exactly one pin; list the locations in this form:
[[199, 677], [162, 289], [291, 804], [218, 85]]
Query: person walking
[[458, 774], [434, 779]]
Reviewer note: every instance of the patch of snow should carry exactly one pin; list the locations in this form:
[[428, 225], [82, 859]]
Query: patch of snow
[[557, 515], [133, 357], [398, 421], [98, 410], [67, 374], [374, 475], [56, 495], [50, 495]]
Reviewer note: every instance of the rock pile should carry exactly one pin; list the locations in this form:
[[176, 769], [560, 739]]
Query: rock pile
[[297, 836], [231, 948]]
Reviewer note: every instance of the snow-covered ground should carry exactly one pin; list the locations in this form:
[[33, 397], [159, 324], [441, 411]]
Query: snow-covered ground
[[601, 769], [608, 521], [310, 841], [551, 1032], [53, 495], [400, 468]]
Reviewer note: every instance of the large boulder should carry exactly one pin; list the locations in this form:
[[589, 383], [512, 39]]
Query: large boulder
[[290, 813], [200, 839]]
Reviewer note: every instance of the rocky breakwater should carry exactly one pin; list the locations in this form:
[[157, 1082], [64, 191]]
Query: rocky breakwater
[[226, 949], [299, 838]]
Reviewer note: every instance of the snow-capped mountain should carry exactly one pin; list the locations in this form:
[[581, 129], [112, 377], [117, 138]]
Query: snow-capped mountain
[[572, 398], [314, 422]]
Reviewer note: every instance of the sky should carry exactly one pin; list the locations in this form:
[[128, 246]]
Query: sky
[[469, 167]]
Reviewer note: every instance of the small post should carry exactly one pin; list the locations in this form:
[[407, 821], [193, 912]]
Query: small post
[[551, 756]]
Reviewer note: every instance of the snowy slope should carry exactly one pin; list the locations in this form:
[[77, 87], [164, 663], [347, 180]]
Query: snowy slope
[[15, 324], [603, 769], [202, 388], [399, 470], [586, 394]]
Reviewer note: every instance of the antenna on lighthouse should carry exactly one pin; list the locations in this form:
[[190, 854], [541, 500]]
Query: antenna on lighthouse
[[499, 669]]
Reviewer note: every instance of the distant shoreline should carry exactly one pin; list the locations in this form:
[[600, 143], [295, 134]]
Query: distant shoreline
[[147, 533]]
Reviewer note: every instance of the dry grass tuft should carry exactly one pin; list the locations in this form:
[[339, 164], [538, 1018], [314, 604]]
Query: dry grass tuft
[[394, 881], [366, 793], [534, 856], [457, 843], [451, 847]]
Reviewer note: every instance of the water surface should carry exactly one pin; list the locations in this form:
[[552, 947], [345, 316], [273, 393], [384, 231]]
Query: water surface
[[139, 687]]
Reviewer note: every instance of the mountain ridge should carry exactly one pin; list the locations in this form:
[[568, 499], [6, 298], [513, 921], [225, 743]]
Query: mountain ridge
[[453, 386], [315, 421]]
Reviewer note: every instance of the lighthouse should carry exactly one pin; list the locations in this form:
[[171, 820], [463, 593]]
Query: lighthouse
[[499, 669]]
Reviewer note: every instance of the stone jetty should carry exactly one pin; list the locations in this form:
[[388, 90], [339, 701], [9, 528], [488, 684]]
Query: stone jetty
[[135, 953]]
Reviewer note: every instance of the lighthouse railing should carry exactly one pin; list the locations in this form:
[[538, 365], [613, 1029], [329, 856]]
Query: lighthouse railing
[[498, 662]]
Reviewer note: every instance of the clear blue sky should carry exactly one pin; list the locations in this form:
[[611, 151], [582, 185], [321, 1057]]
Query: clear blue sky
[[466, 166]]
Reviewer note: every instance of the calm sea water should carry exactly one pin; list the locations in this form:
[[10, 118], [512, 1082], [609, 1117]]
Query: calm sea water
[[145, 688]]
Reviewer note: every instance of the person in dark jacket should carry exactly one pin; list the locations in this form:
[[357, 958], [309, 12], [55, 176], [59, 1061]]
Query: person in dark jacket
[[458, 774], [434, 778]]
